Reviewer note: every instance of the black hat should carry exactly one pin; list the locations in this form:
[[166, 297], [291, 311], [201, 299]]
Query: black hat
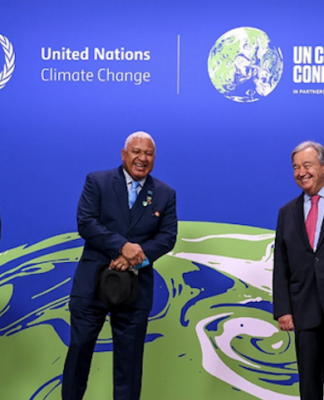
[[117, 288]]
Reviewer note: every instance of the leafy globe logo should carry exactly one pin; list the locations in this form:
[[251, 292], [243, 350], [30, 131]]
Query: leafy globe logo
[[243, 67]]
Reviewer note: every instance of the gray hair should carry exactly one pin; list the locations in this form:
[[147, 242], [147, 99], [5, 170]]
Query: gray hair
[[305, 145], [140, 135]]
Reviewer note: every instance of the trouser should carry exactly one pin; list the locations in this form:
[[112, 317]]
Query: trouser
[[310, 360], [128, 329]]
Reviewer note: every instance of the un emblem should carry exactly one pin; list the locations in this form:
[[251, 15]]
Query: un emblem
[[9, 65]]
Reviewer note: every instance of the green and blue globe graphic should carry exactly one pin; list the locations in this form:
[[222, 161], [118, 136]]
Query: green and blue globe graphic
[[211, 332], [243, 66]]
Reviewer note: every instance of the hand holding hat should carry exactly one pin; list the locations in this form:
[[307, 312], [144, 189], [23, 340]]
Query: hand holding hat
[[133, 253]]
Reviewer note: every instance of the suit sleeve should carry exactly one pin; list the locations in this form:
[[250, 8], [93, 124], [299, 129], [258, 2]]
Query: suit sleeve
[[89, 225], [164, 240], [281, 273]]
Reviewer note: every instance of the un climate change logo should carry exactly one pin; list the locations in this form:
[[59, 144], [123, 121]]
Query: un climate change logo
[[243, 67], [9, 65]]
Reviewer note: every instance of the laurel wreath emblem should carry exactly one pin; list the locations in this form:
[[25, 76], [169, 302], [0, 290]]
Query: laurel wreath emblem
[[9, 65]]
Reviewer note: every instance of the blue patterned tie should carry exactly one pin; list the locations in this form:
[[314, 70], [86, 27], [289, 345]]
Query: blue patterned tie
[[132, 194]]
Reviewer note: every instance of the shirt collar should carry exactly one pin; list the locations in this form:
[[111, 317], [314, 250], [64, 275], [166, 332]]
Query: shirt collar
[[307, 197]]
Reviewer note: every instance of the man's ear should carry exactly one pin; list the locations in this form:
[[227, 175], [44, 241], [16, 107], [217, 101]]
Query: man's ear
[[123, 154]]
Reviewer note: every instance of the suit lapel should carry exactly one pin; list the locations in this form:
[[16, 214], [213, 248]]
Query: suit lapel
[[141, 201], [300, 219], [321, 237], [120, 189]]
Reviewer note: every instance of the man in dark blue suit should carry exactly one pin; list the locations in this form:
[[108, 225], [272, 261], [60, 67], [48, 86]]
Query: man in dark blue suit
[[298, 280], [124, 238]]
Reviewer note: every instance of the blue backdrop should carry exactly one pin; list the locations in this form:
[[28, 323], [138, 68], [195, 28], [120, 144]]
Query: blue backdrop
[[222, 157]]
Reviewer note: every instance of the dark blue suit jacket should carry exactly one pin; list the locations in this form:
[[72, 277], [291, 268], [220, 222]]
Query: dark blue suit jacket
[[106, 223], [298, 279]]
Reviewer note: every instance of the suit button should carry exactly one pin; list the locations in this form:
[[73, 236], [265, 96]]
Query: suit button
[[316, 259]]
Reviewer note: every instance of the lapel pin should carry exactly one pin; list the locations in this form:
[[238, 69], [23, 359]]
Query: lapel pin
[[148, 200], [156, 213]]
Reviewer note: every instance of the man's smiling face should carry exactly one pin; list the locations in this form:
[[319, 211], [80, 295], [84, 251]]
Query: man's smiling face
[[308, 172], [138, 157]]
